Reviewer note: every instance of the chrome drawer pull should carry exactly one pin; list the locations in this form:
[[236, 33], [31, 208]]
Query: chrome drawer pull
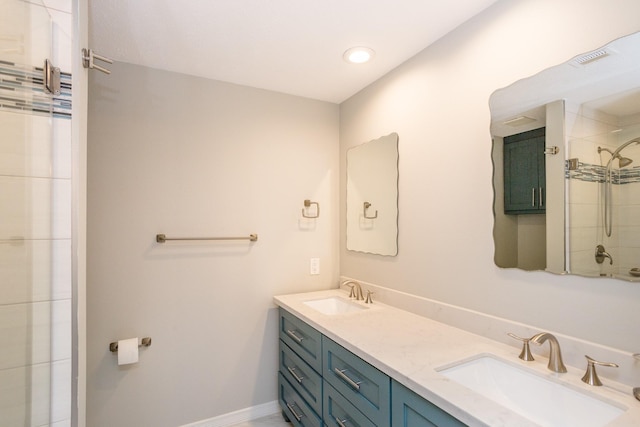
[[292, 371], [341, 423], [352, 383], [293, 411], [293, 335]]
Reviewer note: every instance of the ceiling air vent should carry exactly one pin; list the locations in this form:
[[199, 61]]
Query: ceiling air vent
[[591, 57]]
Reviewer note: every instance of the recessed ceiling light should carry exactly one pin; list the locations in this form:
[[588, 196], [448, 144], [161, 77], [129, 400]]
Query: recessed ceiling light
[[358, 55]]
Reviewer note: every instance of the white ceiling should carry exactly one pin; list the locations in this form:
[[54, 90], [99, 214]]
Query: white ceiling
[[290, 46]]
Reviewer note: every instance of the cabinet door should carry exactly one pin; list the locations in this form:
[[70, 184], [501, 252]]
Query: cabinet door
[[363, 385], [524, 172], [410, 410]]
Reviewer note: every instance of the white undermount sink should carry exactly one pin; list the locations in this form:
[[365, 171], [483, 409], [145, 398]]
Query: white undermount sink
[[334, 305], [541, 400]]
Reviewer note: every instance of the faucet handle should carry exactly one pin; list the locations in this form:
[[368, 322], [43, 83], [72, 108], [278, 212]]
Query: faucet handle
[[525, 354], [591, 377], [368, 299]]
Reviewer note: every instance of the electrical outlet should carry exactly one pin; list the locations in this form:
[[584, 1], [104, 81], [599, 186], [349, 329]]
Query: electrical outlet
[[314, 266]]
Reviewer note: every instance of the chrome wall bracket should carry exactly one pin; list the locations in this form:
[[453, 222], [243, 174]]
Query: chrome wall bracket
[[51, 78], [88, 60], [572, 164], [551, 150]]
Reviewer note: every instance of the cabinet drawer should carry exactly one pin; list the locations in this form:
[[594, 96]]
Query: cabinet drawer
[[306, 381], [362, 384], [338, 412], [410, 410], [294, 407], [301, 338]]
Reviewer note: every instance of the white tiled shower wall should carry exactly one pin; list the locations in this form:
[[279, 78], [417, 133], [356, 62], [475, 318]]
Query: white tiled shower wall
[[35, 230], [586, 131]]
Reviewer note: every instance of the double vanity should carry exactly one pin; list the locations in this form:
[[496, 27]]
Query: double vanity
[[344, 363]]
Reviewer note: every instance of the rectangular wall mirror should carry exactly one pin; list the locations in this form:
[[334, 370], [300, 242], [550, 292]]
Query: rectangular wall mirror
[[372, 196], [566, 155]]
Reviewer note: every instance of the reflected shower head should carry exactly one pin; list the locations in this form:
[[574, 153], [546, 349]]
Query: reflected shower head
[[624, 161]]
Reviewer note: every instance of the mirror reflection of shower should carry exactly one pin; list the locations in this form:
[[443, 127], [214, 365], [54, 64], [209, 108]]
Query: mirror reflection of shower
[[608, 179]]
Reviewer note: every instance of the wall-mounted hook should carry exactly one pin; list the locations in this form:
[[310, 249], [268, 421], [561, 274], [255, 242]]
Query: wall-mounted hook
[[307, 204], [367, 205]]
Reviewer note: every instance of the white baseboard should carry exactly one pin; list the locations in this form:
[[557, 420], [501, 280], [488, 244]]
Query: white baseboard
[[240, 416]]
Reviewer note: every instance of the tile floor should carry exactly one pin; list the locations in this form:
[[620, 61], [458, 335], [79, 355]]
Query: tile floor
[[274, 420]]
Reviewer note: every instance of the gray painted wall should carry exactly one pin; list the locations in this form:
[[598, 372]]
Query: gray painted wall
[[185, 156], [437, 102]]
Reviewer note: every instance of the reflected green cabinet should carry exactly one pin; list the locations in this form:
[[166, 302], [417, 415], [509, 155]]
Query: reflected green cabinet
[[524, 173]]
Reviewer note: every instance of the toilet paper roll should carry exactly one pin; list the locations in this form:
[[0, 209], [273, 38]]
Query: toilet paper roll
[[128, 351]]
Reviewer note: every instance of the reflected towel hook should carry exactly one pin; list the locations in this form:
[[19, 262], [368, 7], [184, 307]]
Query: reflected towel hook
[[307, 204], [367, 205]]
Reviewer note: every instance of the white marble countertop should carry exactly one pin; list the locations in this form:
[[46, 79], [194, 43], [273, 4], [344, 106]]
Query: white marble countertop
[[410, 349]]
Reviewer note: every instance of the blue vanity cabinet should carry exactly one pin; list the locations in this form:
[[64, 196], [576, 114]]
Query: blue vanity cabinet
[[362, 385], [343, 390], [410, 410], [300, 367], [524, 173]]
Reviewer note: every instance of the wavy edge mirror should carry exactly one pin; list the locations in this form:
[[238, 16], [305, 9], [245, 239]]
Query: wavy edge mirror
[[587, 111]]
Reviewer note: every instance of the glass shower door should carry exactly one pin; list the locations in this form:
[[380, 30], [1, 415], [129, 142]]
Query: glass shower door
[[35, 225]]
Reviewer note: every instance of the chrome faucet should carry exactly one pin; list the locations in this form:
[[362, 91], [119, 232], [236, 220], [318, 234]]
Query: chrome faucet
[[555, 356], [356, 290]]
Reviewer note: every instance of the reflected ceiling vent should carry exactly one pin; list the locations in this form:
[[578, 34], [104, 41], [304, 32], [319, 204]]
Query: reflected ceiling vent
[[591, 57], [519, 121]]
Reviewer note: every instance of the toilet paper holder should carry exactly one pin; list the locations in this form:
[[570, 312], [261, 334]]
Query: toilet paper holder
[[144, 342]]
